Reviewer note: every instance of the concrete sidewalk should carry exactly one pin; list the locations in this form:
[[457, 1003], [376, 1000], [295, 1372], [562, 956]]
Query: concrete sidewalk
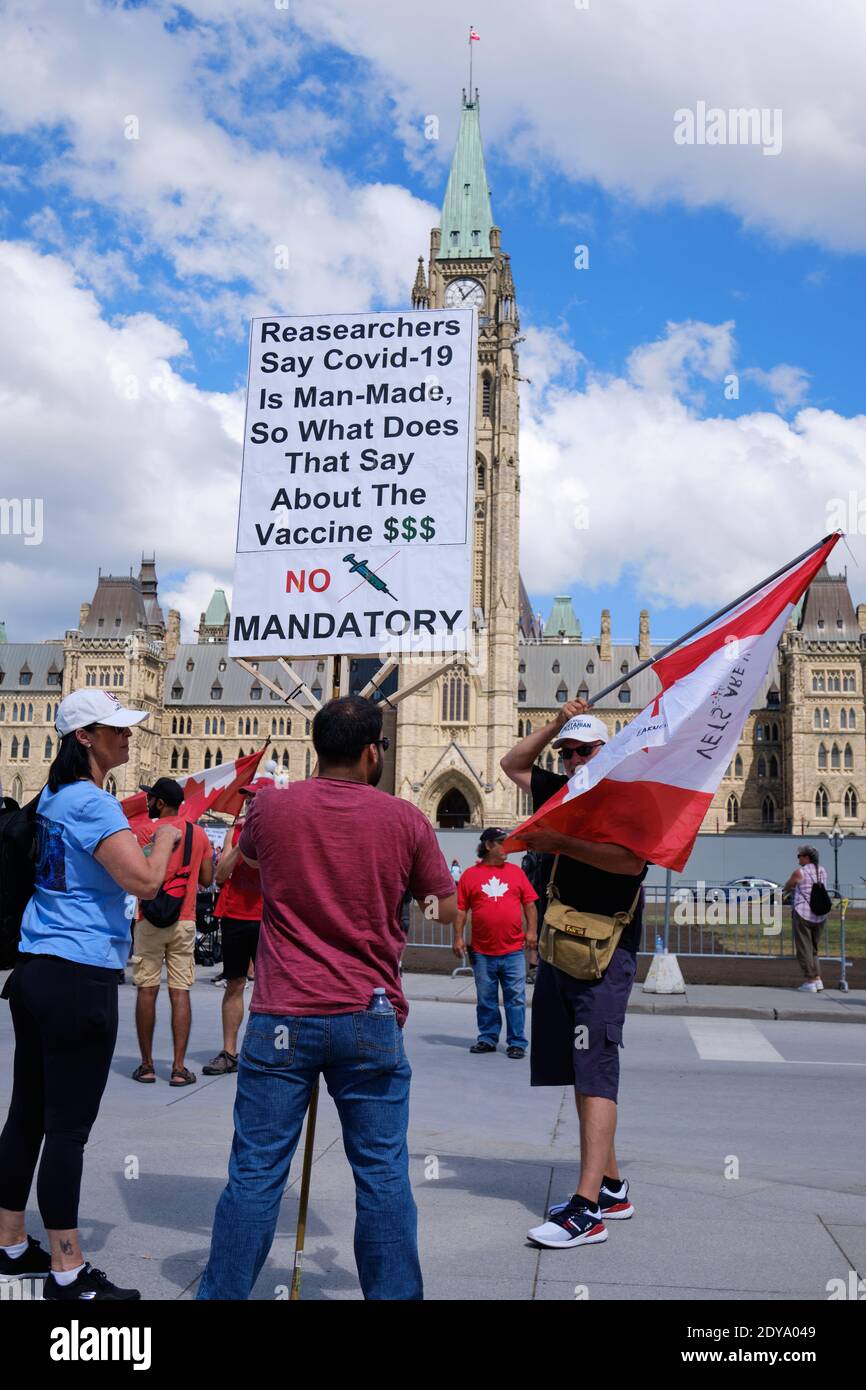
[[723, 1001], [743, 1142]]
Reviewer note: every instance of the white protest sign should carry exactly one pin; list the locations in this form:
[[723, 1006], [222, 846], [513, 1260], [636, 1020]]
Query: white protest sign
[[354, 530]]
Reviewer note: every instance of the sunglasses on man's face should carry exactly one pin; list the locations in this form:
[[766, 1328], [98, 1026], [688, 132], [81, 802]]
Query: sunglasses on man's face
[[384, 743], [578, 750]]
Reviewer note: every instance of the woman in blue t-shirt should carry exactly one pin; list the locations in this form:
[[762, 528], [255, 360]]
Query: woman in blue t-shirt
[[63, 993]]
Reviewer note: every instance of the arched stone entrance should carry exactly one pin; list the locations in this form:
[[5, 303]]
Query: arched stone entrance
[[453, 812]]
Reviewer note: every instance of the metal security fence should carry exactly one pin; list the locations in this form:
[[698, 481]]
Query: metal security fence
[[710, 920], [425, 931], [713, 919]]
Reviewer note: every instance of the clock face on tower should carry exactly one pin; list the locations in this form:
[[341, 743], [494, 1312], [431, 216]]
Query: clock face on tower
[[464, 294]]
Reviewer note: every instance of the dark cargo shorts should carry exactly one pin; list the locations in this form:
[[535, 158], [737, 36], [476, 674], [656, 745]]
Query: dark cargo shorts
[[577, 1027]]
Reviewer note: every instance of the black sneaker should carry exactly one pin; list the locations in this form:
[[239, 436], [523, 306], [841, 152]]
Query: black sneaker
[[578, 1223], [613, 1203], [482, 1047], [90, 1284], [32, 1263], [516, 1052]]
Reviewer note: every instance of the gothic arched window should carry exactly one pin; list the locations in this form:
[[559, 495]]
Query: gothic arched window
[[762, 767], [207, 758], [774, 766], [835, 758], [175, 758], [848, 758], [184, 762], [851, 803], [733, 810], [822, 803], [822, 757], [219, 757], [738, 766], [768, 811], [843, 719], [455, 699]]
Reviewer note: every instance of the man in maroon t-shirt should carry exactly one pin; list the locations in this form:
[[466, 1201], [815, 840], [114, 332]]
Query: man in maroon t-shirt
[[498, 895], [335, 857]]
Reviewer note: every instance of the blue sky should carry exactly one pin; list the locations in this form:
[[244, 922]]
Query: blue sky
[[719, 261]]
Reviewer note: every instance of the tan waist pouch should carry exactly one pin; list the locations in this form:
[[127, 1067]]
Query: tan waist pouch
[[580, 943]]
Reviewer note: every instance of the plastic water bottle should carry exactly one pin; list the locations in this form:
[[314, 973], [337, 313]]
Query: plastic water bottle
[[660, 946], [379, 1003]]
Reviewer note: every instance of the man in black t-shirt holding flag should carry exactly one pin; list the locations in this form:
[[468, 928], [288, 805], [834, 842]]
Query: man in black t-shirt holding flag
[[577, 1025]]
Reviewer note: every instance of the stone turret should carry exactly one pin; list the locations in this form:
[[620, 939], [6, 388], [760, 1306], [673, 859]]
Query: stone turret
[[605, 649]]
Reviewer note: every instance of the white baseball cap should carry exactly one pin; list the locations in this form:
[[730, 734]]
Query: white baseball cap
[[85, 707], [583, 728]]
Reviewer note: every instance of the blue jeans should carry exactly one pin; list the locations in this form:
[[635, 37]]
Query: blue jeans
[[362, 1060], [511, 970]]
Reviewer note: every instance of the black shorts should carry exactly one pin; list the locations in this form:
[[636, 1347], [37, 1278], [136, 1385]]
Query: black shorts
[[577, 1027], [240, 939]]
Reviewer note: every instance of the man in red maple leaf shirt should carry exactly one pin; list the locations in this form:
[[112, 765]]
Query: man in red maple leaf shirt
[[499, 896]]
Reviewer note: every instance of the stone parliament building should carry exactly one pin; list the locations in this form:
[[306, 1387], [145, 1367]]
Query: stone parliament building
[[801, 762]]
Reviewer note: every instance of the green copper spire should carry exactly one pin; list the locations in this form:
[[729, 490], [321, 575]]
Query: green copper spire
[[217, 609], [466, 214], [563, 621]]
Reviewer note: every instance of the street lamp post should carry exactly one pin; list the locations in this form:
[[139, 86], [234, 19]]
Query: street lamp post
[[835, 836]]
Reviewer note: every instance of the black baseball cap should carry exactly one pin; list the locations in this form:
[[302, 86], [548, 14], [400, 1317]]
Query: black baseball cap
[[167, 790], [492, 834]]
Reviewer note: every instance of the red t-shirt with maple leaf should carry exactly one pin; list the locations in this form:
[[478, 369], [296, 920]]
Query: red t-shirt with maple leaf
[[494, 895]]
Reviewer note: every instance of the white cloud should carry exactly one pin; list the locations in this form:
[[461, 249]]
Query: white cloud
[[191, 597], [127, 455], [626, 478], [594, 91], [788, 385], [220, 206]]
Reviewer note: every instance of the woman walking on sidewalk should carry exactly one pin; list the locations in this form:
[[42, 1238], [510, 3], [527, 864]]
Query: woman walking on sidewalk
[[63, 991], [807, 923]]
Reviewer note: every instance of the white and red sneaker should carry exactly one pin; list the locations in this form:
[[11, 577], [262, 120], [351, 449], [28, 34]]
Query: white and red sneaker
[[575, 1223]]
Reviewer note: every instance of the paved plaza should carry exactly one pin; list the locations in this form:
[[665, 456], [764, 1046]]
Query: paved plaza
[[778, 1101]]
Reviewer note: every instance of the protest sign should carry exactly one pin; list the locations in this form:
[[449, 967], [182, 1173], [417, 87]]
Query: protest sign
[[354, 530]]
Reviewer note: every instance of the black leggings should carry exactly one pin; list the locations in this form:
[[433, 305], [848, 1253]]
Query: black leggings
[[65, 1021]]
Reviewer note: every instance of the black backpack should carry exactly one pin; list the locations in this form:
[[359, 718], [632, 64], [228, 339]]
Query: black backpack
[[164, 909], [819, 900], [18, 854]]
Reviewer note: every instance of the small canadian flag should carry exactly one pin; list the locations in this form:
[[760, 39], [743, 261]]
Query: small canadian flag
[[473, 37]]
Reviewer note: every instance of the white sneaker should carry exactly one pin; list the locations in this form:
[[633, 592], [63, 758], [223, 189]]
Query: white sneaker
[[819, 985], [808, 987], [576, 1224]]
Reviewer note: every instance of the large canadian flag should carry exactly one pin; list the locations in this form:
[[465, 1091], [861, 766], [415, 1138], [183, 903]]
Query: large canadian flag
[[212, 789], [650, 787]]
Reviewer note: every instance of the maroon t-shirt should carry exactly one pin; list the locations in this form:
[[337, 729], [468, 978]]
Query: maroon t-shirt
[[335, 859]]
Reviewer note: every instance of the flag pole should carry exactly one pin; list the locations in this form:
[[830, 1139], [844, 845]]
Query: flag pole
[[470, 64], [712, 618]]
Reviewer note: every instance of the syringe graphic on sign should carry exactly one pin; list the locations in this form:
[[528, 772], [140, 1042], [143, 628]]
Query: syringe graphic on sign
[[361, 567]]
